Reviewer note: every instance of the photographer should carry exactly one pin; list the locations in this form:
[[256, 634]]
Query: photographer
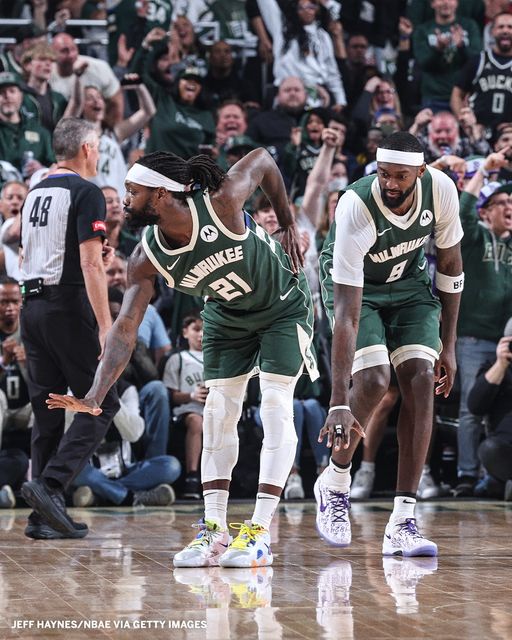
[[491, 395], [487, 298]]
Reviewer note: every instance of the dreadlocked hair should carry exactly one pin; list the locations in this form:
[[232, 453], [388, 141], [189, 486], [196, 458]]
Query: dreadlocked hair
[[200, 169]]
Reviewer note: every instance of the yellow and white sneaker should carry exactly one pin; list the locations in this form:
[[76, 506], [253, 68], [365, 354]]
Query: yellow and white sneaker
[[206, 548], [251, 547]]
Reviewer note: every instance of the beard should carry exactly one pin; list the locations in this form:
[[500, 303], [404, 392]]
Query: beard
[[397, 201], [142, 218]]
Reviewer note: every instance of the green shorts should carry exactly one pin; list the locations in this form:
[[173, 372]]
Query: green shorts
[[275, 341], [400, 318]]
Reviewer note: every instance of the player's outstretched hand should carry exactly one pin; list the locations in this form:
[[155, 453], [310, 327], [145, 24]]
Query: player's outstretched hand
[[70, 403], [337, 428]]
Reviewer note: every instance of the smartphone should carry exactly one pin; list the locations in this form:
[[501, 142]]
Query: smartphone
[[207, 149], [131, 81]]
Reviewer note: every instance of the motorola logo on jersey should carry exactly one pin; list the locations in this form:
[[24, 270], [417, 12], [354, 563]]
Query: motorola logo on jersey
[[209, 233], [426, 217]]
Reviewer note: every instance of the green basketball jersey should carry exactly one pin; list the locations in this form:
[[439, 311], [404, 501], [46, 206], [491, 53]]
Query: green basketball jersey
[[248, 271], [398, 249]]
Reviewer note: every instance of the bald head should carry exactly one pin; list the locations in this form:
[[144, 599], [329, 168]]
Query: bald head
[[66, 53]]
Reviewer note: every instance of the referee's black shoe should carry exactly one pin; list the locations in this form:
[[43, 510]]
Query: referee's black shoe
[[38, 529], [49, 504]]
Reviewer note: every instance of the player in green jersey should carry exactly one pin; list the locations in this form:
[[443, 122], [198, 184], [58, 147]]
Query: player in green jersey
[[384, 310], [258, 317]]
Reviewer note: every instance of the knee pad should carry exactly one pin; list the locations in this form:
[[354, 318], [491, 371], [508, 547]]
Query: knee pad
[[280, 439], [220, 437]]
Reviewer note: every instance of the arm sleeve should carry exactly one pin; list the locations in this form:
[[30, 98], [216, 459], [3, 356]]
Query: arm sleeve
[[355, 235], [128, 420], [448, 229], [90, 212]]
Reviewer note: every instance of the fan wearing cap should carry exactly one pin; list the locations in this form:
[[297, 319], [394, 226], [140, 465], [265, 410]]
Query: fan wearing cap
[[26, 36], [19, 134], [486, 216], [384, 310]]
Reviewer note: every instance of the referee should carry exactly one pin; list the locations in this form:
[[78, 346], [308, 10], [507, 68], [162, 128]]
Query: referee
[[64, 320]]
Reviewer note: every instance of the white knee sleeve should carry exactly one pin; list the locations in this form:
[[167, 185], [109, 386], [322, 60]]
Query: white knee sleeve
[[220, 438], [280, 439]]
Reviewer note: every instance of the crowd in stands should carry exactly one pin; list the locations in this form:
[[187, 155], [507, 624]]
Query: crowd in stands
[[319, 84]]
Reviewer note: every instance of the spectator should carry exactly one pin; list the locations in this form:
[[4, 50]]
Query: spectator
[[15, 407], [308, 54], [491, 396], [111, 164], [503, 142], [115, 477], [184, 377], [93, 72], [190, 49], [231, 122], [264, 214], [65, 296], [39, 99], [237, 147], [487, 299], [442, 136], [26, 37], [301, 153], [18, 134], [117, 235], [356, 68], [223, 81], [182, 122], [485, 82], [442, 46], [377, 94], [13, 196], [273, 128]]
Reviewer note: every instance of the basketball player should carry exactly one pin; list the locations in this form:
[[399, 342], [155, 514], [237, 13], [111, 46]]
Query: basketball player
[[258, 316], [384, 310]]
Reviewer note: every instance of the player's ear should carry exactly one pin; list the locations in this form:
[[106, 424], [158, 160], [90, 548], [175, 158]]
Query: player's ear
[[422, 170]]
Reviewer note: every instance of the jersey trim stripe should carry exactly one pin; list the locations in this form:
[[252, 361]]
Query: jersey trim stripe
[[193, 238], [218, 222], [154, 261]]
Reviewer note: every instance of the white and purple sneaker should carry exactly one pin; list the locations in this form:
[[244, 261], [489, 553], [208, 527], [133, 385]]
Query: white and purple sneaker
[[332, 521], [404, 539]]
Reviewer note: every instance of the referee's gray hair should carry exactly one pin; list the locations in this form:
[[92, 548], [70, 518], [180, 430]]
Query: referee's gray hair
[[69, 135]]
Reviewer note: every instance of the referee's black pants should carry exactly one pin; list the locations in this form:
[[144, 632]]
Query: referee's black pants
[[59, 332]]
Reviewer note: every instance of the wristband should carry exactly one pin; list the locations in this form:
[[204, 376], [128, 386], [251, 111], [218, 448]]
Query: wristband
[[339, 407], [449, 284]]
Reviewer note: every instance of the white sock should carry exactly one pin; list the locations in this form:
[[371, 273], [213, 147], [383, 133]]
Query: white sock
[[216, 506], [266, 505], [403, 508], [367, 466], [337, 478]]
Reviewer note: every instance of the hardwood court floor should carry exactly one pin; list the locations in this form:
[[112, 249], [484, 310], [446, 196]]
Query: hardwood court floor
[[122, 574]]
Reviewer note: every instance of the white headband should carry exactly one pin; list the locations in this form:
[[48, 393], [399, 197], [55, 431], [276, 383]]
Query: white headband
[[412, 159], [149, 178]]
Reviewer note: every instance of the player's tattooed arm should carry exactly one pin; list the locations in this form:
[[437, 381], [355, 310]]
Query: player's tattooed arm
[[120, 340]]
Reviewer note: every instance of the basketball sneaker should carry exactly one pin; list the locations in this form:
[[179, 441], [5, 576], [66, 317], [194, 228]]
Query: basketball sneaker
[[427, 488], [206, 548], [362, 484], [251, 587], [404, 539], [332, 521], [294, 489], [251, 547], [402, 576]]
